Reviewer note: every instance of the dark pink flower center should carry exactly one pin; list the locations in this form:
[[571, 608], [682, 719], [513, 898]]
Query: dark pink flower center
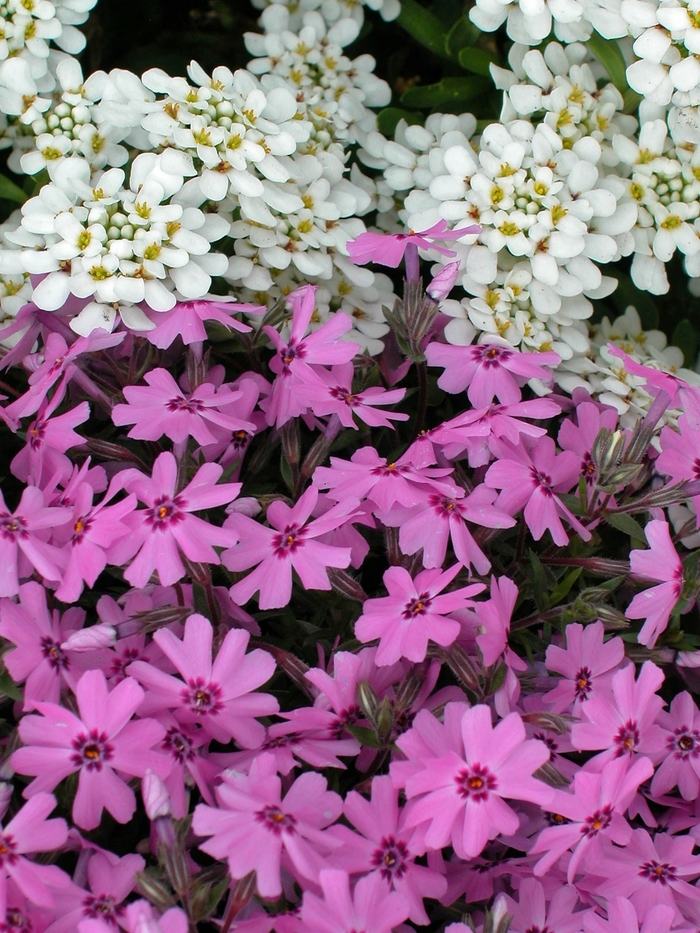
[[165, 512], [541, 480], [12, 526], [288, 540], [342, 395], [179, 745], [91, 750], [443, 507], [475, 782], [597, 821], [388, 469], [102, 907], [390, 858], [588, 469], [657, 872], [203, 698], [491, 357], [548, 741], [36, 434], [685, 742], [583, 683], [417, 606], [627, 738], [239, 439], [8, 847], [180, 403], [536, 929], [124, 659], [290, 353], [54, 654], [274, 820], [80, 528], [16, 922]]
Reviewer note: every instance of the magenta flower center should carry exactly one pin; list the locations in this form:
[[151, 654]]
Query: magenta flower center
[[389, 469], [536, 929], [101, 908], [16, 922], [342, 395], [474, 783], [36, 434], [390, 858], [124, 659], [12, 526], [165, 512], [180, 403], [291, 353], [53, 652], [583, 683], [288, 540], [91, 750], [684, 742], [658, 872], [239, 439], [274, 820], [417, 606], [179, 745], [203, 698], [80, 528], [597, 821], [7, 850], [491, 357], [542, 480], [588, 468], [627, 738]]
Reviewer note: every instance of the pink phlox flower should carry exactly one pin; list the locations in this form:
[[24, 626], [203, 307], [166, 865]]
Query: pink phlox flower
[[457, 791], [661, 563], [531, 912], [256, 829], [681, 394], [38, 634], [59, 491], [186, 320], [310, 735], [413, 613], [56, 359], [109, 881], [48, 439], [93, 529], [332, 394], [587, 665], [624, 726], [100, 744], [141, 918], [622, 918], [216, 695], [182, 746], [294, 359], [336, 690], [490, 370], [596, 807], [346, 535], [473, 431], [370, 908], [288, 544], [28, 832], [579, 437], [231, 448], [445, 517], [680, 455], [650, 872], [530, 478], [367, 475], [163, 408], [388, 248], [167, 526], [491, 619], [383, 846], [681, 765], [23, 548]]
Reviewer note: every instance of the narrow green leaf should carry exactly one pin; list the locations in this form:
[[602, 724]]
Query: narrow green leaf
[[608, 53], [366, 737], [388, 118], [422, 26], [10, 191], [477, 60], [448, 92], [540, 583], [462, 34], [286, 472], [628, 525], [8, 686], [563, 587]]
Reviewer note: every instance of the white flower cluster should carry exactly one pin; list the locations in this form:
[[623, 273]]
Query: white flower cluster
[[28, 26], [332, 10]]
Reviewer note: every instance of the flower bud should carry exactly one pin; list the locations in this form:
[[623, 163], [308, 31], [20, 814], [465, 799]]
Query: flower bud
[[444, 281], [156, 798], [101, 635]]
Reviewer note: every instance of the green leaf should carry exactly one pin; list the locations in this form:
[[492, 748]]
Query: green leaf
[[628, 525], [685, 337], [563, 587], [461, 35], [388, 119], [366, 737], [540, 583], [450, 92], [8, 686], [10, 191], [608, 53], [477, 61], [422, 26], [286, 471]]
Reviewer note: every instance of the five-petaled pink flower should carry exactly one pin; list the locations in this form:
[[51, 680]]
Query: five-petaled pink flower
[[661, 563]]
